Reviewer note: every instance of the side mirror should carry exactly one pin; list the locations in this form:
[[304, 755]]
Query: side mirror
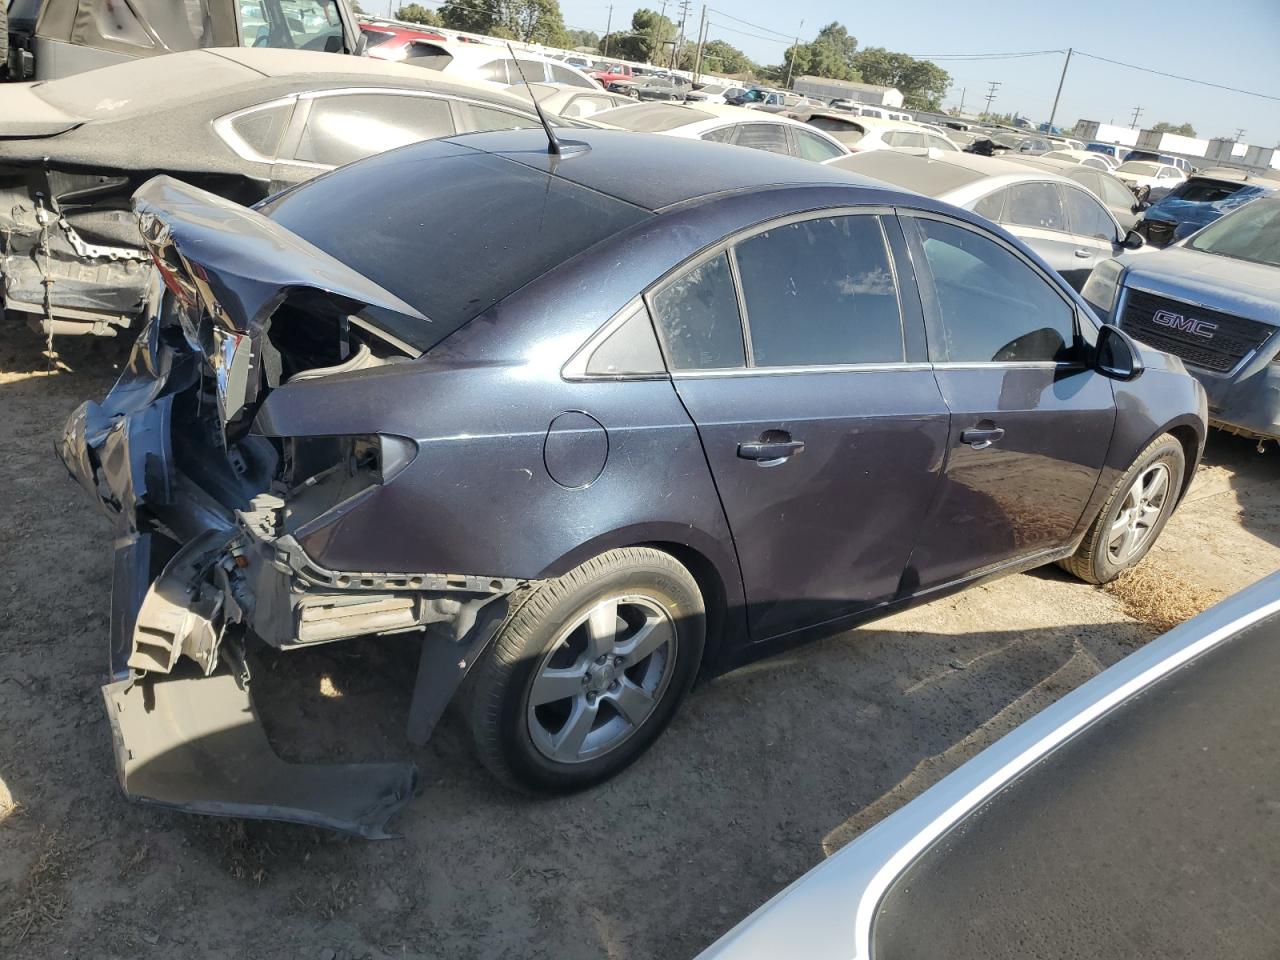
[[1116, 355], [1133, 240]]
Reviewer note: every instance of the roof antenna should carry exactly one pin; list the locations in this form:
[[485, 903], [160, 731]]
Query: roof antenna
[[554, 146]]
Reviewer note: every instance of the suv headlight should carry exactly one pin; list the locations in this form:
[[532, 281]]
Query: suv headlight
[[1102, 287]]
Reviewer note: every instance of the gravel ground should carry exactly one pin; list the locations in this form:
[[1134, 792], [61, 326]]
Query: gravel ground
[[765, 771]]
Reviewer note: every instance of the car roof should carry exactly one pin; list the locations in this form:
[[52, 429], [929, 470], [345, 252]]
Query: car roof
[[938, 176], [152, 84], [657, 172]]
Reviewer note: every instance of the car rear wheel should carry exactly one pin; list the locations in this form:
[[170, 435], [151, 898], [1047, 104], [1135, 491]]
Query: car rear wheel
[[587, 671], [1133, 516]]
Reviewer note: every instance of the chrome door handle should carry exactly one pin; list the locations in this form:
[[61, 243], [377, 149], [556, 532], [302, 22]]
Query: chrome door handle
[[1083, 254], [981, 439]]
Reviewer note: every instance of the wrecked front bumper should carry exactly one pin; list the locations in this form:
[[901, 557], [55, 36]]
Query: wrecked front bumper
[[201, 569]]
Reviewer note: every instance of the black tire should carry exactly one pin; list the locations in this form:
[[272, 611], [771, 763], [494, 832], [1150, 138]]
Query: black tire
[[496, 701], [1093, 561]]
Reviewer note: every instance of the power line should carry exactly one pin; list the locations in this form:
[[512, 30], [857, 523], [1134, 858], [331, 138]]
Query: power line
[[1174, 76], [758, 26], [788, 42]]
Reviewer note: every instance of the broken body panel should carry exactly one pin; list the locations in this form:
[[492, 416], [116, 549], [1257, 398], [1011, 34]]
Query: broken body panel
[[210, 515]]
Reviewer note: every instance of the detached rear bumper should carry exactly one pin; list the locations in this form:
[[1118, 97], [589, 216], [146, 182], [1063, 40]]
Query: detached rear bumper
[[196, 577]]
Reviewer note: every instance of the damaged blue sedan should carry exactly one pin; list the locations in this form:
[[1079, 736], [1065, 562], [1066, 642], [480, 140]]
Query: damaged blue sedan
[[590, 418]]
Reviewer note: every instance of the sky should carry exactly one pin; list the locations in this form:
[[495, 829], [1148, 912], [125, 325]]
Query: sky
[[1235, 43]]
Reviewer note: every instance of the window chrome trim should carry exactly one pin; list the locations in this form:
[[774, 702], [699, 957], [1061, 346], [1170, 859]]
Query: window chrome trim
[[786, 371], [1009, 364]]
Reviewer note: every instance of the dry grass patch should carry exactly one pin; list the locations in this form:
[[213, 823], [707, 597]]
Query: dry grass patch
[[40, 897], [1159, 596]]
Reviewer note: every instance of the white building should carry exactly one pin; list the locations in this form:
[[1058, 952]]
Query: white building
[[849, 90]]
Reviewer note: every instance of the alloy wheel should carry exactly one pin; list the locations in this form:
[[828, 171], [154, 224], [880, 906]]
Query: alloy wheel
[[1139, 511], [601, 679]]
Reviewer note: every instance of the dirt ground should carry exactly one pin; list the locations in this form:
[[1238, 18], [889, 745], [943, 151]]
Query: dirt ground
[[766, 770]]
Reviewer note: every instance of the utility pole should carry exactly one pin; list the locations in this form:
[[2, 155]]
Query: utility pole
[[1239, 134], [702, 40], [678, 48], [657, 34], [991, 94], [1061, 80], [1133, 124], [962, 93], [791, 60], [608, 25]]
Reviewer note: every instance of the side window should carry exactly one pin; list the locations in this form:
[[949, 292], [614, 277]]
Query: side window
[[820, 292], [1036, 205], [631, 350], [939, 143], [697, 314], [585, 106], [721, 135], [533, 70], [473, 118], [496, 72], [763, 136], [991, 206], [815, 148], [1116, 194], [261, 130], [560, 74], [344, 128], [1088, 217], [994, 307]]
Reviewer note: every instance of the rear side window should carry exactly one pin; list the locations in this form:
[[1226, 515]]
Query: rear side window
[[473, 118], [496, 71], [698, 316], [993, 306], [991, 206], [1116, 194], [349, 127], [763, 136], [815, 148], [820, 292], [568, 77], [262, 129], [723, 135], [1088, 217], [1036, 205], [428, 55]]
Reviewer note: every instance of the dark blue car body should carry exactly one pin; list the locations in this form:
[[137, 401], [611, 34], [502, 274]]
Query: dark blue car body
[[804, 498], [1198, 201]]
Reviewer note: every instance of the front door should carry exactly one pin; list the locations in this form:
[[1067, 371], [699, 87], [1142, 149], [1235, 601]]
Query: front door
[[823, 426], [1030, 423]]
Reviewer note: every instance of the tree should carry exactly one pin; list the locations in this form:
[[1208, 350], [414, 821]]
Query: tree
[[356, 8], [530, 21], [922, 83], [1182, 129], [717, 57], [417, 13], [645, 41], [830, 54], [581, 38]]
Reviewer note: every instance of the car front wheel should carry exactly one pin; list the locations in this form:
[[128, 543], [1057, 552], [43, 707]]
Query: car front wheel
[[587, 671], [1134, 515]]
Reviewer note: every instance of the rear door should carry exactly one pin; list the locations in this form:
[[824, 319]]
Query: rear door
[[1036, 213], [1093, 230], [799, 353], [1031, 421]]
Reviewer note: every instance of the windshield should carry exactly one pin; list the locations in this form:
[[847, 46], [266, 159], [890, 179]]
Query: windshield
[[1251, 233], [1141, 168]]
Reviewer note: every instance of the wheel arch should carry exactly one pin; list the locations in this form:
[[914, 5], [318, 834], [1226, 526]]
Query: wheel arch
[[713, 565]]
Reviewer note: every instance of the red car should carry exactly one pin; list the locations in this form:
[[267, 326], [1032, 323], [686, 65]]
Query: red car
[[387, 41], [616, 72]]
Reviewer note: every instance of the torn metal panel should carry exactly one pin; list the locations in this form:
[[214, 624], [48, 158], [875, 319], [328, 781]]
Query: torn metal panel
[[196, 744]]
